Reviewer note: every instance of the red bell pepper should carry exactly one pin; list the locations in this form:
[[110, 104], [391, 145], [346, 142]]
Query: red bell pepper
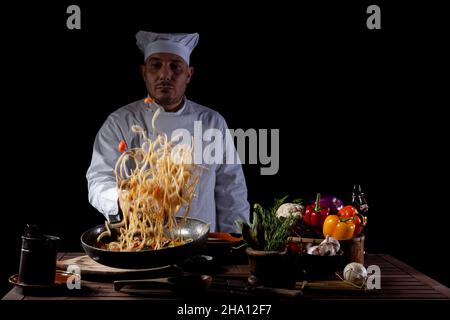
[[315, 215], [359, 220]]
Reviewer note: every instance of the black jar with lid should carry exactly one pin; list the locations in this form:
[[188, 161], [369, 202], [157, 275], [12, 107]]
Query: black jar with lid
[[38, 258]]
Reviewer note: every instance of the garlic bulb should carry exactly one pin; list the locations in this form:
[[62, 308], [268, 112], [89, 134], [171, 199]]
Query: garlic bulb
[[330, 241], [314, 250], [328, 247], [356, 273]]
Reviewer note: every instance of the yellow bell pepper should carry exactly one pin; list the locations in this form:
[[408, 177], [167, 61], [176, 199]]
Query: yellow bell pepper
[[338, 227]]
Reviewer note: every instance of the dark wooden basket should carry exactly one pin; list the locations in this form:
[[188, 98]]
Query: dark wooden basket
[[353, 248]]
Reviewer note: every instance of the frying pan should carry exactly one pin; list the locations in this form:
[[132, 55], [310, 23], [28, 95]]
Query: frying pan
[[195, 229]]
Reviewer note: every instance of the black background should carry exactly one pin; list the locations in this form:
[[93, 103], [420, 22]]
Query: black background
[[353, 106]]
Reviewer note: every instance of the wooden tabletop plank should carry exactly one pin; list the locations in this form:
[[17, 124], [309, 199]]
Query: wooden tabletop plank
[[397, 287], [418, 275], [152, 298], [14, 294], [399, 281]]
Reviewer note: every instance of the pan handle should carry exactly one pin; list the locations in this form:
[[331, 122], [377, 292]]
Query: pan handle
[[161, 283], [116, 218]]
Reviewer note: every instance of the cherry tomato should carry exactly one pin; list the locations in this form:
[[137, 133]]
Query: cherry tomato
[[122, 146], [293, 247]]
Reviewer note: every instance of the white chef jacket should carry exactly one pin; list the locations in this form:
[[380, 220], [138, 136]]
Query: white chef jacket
[[221, 196]]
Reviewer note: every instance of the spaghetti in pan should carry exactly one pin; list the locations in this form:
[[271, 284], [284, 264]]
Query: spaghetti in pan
[[155, 182]]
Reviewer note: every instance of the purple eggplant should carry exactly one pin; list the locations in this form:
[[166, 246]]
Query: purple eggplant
[[334, 203]]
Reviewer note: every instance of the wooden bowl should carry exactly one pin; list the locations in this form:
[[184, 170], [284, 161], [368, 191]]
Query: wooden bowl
[[273, 268]]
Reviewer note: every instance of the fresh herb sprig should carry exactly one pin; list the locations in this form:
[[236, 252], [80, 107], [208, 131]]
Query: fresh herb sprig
[[267, 232]]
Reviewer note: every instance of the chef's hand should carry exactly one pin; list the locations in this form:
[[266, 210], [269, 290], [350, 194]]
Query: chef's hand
[[117, 217]]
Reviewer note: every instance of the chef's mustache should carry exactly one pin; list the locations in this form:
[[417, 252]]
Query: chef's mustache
[[164, 83]]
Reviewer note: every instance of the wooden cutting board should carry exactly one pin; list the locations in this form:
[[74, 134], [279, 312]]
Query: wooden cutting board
[[94, 271]]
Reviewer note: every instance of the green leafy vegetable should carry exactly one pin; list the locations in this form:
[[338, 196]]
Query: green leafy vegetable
[[267, 232]]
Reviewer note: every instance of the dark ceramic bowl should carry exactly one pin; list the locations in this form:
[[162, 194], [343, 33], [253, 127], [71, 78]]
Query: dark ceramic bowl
[[322, 267], [222, 246]]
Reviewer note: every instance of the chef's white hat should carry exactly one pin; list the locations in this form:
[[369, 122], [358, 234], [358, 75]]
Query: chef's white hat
[[180, 44]]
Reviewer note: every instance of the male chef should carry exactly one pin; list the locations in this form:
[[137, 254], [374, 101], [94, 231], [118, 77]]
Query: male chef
[[221, 196]]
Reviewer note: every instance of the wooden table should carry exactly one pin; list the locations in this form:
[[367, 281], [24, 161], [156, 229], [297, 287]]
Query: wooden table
[[399, 281]]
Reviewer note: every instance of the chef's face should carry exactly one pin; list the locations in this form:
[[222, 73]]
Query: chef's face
[[166, 76]]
